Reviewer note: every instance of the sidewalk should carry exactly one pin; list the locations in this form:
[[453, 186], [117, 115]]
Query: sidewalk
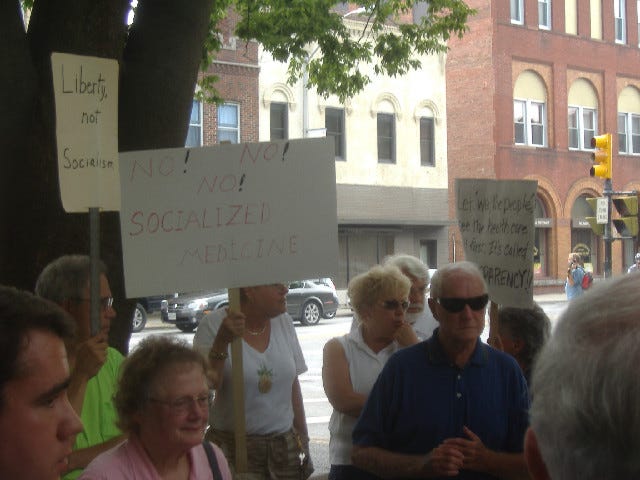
[[550, 297]]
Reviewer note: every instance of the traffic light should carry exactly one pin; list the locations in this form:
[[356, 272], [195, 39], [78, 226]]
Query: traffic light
[[627, 207], [596, 224], [602, 156]]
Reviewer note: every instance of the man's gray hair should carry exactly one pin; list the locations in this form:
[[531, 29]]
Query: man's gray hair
[[438, 278], [409, 264], [66, 278], [586, 391]]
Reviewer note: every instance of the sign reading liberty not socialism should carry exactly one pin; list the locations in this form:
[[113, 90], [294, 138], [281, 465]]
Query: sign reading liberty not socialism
[[228, 216], [496, 221], [86, 96]]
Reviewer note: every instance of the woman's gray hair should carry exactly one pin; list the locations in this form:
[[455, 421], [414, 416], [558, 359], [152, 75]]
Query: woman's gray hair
[[409, 264], [438, 278], [530, 325], [368, 288], [142, 368], [66, 278], [586, 391]]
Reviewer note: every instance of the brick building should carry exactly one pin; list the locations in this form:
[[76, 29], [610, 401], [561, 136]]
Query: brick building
[[237, 69], [527, 88]]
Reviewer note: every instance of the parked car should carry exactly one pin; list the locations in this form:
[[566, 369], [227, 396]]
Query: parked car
[[307, 302], [144, 306], [186, 310]]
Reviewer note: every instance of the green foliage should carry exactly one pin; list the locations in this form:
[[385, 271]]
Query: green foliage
[[311, 35], [207, 91]]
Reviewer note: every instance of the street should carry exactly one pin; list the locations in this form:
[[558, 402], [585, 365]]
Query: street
[[312, 340]]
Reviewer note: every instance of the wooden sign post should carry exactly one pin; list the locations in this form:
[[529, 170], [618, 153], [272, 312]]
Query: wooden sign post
[[237, 377]]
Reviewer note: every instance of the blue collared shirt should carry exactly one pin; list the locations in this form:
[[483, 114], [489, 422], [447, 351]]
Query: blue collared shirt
[[421, 398]]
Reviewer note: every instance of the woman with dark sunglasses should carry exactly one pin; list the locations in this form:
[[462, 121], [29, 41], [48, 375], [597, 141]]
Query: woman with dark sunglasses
[[351, 363]]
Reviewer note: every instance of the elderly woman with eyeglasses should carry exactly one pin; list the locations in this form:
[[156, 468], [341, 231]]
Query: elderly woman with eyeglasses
[[351, 363], [163, 403]]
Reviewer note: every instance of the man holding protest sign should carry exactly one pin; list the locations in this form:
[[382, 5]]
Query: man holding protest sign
[[95, 365], [277, 440]]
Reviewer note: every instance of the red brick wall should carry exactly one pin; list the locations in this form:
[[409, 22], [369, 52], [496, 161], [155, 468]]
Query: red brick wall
[[481, 72], [471, 145], [236, 66]]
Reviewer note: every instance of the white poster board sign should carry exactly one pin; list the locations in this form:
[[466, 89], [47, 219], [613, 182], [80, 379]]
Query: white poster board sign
[[496, 221], [228, 216], [602, 210], [86, 96]]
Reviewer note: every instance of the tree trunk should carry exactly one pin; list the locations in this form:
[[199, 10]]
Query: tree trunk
[[158, 67]]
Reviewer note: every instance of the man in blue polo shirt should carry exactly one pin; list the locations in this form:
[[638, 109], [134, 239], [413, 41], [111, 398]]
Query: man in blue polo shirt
[[450, 406]]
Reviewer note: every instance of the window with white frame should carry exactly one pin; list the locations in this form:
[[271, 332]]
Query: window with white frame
[[334, 123], [620, 19], [629, 133], [386, 138], [544, 14], [638, 10], [517, 11], [229, 123], [427, 142], [279, 121], [529, 121], [582, 127], [194, 134]]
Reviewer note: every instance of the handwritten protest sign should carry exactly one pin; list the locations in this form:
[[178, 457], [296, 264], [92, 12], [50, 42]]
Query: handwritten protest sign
[[86, 95], [228, 216], [496, 218]]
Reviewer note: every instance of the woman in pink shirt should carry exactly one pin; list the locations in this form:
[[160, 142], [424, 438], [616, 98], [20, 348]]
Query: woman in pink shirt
[[163, 404]]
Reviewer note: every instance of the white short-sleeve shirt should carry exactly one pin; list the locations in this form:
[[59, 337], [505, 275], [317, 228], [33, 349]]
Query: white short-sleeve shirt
[[268, 377]]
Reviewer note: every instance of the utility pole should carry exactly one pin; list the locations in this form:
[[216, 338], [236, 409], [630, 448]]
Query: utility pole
[[625, 203], [608, 237]]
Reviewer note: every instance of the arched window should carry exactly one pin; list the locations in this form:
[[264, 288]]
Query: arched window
[[530, 110], [629, 121], [386, 108], [582, 114]]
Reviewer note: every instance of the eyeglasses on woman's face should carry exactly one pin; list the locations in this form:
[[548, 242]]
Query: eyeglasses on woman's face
[[183, 405], [395, 305]]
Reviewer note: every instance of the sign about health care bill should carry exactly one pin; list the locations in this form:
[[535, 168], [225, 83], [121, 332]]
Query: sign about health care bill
[[86, 96], [496, 218], [228, 216]]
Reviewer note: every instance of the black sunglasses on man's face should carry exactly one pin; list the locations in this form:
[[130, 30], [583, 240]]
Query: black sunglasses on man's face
[[456, 305]]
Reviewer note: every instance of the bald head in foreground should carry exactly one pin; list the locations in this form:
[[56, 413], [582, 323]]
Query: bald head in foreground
[[584, 418]]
